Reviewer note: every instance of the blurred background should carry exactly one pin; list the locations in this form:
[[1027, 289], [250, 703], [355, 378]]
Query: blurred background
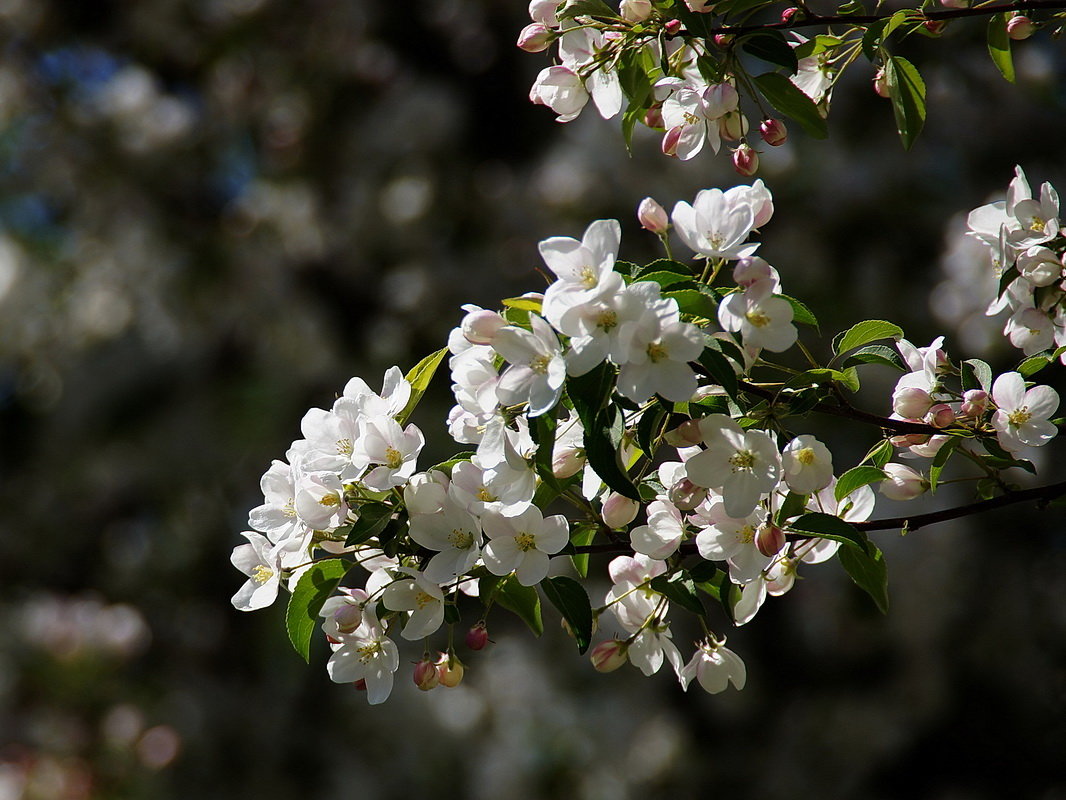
[[215, 212]]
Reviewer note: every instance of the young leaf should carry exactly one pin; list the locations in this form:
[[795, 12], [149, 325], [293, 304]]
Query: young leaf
[[311, 592], [876, 354], [826, 526], [582, 534], [940, 459], [771, 46], [419, 377], [691, 301], [868, 571], [572, 600], [587, 8], [516, 598], [787, 98], [589, 392], [373, 517], [794, 505], [855, 478], [865, 332], [680, 589], [907, 90], [999, 46], [720, 370], [649, 428], [523, 303], [602, 440], [1033, 365], [664, 278], [976, 374], [880, 454], [800, 312], [664, 265]]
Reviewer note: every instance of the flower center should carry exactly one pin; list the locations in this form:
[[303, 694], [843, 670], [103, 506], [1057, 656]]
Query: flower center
[[330, 500], [589, 278], [1019, 416], [422, 599], [746, 535], [607, 320], [742, 459], [525, 542], [690, 118], [757, 318], [716, 240], [540, 364], [485, 496], [393, 458], [368, 651], [1037, 224], [344, 447], [657, 353], [290, 508], [805, 456], [262, 574], [460, 539]]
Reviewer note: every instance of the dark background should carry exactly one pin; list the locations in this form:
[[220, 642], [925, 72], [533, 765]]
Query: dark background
[[215, 212]]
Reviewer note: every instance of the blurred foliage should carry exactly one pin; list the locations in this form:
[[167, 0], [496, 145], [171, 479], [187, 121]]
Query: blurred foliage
[[214, 212]]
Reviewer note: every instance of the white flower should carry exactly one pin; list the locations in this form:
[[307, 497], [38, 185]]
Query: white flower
[[1030, 330], [537, 370], [630, 599], [277, 516], [395, 392], [661, 536], [808, 464], [651, 647], [502, 489], [716, 225], [368, 655], [731, 539], [579, 48], [561, 90], [765, 321], [420, 596], [392, 449], [343, 613], [455, 532], [743, 464], [1022, 416], [261, 562], [523, 543], [320, 501], [902, 482], [715, 666]]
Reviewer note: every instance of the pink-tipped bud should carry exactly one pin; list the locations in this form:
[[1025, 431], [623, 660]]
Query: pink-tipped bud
[[609, 656], [940, 416], [568, 462], [636, 10], [911, 402], [450, 670], [425, 675], [974, 403], [773, 132], [789, 14], [348, 617], [909, 439], [481, 326], [671, 139], [653, 117], [902, 483], [769, 540], [723, 40], [745, 161], [732, 125], [652, 216], [750, 271], [535, 38], [935, 27], [687, 434], [685, 495], [619, 510], [477, 637], [672, 27], [881, 83], [1020, 27], [955, 3]]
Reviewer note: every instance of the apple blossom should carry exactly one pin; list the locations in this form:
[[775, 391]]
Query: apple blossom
[[419, 596], [743, 464], [609, 656], [902, 483], [537, 369], [714, 666], [1022, 415], [522, 543], [807, 464], [652, 216]]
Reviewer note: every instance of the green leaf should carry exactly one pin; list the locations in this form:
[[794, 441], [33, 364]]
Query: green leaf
[[976, 374], [907, 90], [792, 102], [587, 8], [794, 505], [447, 466], [818, 44], [771, 46], [868, 571], [1033, 365], [663, 278], [572, 600], [720, 370], [800, 312], [664, 265], [999, 46], [865, 332], [580, 535], [590, 392], [826, 526], [602, 440], [516, 598], [523, 303], [680, 588], [849, 378], [876, 354], [311, 592], [878, 32], [650, 428], [717, 585], [939, 460], [419, 377], [855, 478], [880, 454], [373, 517], [692, 301], [542, 429]]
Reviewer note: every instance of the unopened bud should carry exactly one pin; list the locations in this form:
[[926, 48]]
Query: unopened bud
[[653, 117], [348, 617], [619, 510], [774, 132], [909, 439], [974, 403], [652, 216], [750, 271], [1020, 27], [940, 416], [672, 26], [568, 462], [477, 637], [745, 161], [881, 83], [535, 38], [955, 3], [769, 540], [935, 27], [723, 40], [449, 670], [671, 139], [481, 326], [732, 125], [687, 434], [685, 495], [902, 483], [789, 14], [911, 402], [544, 12], [609, 656], [636, 10], [425, 675]]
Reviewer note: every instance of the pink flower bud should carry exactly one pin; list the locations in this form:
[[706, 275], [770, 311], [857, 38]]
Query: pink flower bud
[[934, 26], [544, 12], [1020, 27], [974, 403], [750, 271], [535, 38], [672, 27], [685, 495], [619, 510], [652, 216], [348, 617], [636, 10], [567, 463], [955, 3], [732, 125], [723, 40], [911, 402], [745, 161], [477, 637], [609, 656], [671, 139], [687, 434], [881, 83], [481, 326], [425, 675], [653, 117], [450, 670], [902, 483], [769, 540], [789, 14], [909, 439], [940, 416], [773, 132]]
